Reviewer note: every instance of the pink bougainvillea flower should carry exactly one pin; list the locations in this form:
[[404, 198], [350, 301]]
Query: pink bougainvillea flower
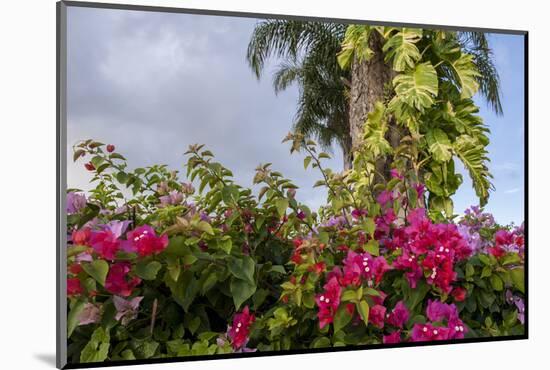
[[82, 236], [90, 314], [301, 215], [399, 315], [173, 198], [89, 166], [118, 228], [105, 243], [358, 213], [395, 174], [75, 202], [127, 310], [456, 328], [328, 302], [73, 287], [144, 241], [428, 332], [110, 148], [377, 314], [385, 197], [379, 268], [420, 189], [240, 329], [118, 282], [439, 311], [394, 337]]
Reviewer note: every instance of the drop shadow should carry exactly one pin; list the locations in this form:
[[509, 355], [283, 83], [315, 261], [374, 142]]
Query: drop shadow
[[46, 358]]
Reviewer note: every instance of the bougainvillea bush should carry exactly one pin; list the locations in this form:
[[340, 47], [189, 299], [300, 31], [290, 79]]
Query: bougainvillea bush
[[157, 267]]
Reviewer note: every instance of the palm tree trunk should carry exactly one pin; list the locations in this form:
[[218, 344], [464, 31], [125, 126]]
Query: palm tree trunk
[[368, 81]]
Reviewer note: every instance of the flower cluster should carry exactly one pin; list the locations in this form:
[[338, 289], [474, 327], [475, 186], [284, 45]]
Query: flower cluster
[[429, 250], [239, 331], [328, 302], [443, 324]]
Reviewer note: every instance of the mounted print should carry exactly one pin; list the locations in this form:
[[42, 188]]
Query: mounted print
[[235, 185]]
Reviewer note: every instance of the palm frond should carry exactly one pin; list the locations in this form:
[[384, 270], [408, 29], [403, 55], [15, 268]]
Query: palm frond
[[477, 44]]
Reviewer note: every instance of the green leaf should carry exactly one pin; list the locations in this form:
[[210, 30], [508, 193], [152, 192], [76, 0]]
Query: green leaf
[[324, 237], [356, 43], [226, 245], [370, 226], [77, 249], [148, 270], [439, 145], [278, 268], [77, 154], [486, 272], [474, 156], [97, 269], [243, 268], [418, 87], [307, 160], [282, 205], [321, 342], [466, 75], [402, 49], [184, 290], [496, 282], [341, 319], [518, 278], [363, 309], [205, 227], [372, 247], [241, 290], [72, 317], [97, 348]]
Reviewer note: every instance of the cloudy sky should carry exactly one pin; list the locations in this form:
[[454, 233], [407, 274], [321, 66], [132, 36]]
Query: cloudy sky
[[153, 83]]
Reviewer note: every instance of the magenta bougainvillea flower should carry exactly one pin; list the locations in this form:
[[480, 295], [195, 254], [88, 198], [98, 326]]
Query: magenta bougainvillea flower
[[394, 337], [428, 332], [90, 314], [328, 302], [144, 241], [73, 287], [376, 315], [395, 174], [126, 310], [358, 213], [240, 329], [399, 315], [105, 243], [444, 323], [118, 282], [75, 202]]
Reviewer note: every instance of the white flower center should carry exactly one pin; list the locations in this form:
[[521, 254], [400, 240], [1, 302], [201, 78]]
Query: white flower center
[[425, 329], [322, 299], [367, 269]]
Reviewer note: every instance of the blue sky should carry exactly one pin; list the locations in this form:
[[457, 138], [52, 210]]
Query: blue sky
[[153, 83], [507, 136]]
